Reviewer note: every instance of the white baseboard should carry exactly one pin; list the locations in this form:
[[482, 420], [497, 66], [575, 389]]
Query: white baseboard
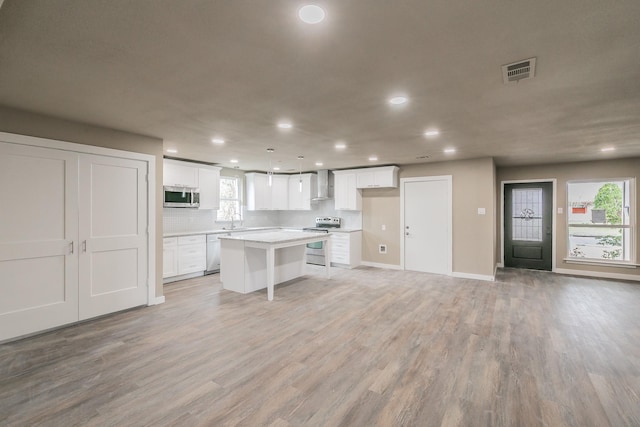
[[182, 277], [474, 276], [599, 274], [499, 265], [380, 265], [158, 300]]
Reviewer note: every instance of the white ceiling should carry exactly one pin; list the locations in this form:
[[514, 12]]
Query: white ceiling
[[186, 71]]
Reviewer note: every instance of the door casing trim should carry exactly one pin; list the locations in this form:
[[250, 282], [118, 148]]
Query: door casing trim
[[554, 214], [449, 180]]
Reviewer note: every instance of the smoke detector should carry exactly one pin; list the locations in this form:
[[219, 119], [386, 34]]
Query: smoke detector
[[521, 70]]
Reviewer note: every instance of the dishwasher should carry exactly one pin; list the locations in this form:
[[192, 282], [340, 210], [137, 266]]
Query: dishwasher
[[213, 254]]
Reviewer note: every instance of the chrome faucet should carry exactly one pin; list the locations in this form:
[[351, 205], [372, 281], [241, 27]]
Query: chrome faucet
[[231, 213]]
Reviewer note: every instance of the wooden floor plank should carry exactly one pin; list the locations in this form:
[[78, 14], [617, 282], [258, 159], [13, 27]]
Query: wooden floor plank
[[367, 347]]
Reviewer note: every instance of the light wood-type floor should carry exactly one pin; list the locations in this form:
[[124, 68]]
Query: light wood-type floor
[[368, 347]]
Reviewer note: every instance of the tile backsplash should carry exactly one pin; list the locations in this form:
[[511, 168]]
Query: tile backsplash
[[350, 219], [177, 220]]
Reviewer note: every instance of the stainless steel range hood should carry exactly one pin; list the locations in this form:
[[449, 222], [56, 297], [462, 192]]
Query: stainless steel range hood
[[323, 188]]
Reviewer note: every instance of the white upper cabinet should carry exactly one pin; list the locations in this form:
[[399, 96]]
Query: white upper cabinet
[[346, 194], [258, 191], [280, 192], [179, 173], [283, 193], [209, 183], [382, 177], [204, 177], [300, 194]]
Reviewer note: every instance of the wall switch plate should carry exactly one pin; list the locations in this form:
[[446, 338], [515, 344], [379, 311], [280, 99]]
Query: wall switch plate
[[482, 211], [560, 211], [384, 227], [382, 249]]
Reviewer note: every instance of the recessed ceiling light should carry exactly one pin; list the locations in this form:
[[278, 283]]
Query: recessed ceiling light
[[398, 100], [373, 158], [449, 150], [341, 145], [607, 149], [172, 150], [318, 163], [432, 132], [311, 14], [285, 125], [234, 160], [217, 140], [276, 168]]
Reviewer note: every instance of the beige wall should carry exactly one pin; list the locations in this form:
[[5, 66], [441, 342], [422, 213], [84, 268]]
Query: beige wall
[[622, 168], [473, 234], [25, 123]]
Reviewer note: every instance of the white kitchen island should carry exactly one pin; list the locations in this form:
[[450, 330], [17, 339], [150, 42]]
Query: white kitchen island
[[254, 261]]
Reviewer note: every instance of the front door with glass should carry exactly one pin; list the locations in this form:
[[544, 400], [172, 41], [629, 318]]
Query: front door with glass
[[528, 225]]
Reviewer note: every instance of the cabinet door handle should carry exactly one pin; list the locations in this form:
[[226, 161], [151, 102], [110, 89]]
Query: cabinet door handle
[[71, 247], [84, 246]]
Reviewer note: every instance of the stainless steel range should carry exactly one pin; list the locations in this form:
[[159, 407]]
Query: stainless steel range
[[315, 251]]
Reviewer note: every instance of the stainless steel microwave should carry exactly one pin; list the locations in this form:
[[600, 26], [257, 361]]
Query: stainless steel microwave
[[181, 197]]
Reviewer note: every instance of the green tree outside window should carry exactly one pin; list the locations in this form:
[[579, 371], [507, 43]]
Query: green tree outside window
[[609, 198]]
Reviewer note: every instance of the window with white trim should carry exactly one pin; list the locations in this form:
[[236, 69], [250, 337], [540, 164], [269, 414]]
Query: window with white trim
[[230, 200], [600, 220]]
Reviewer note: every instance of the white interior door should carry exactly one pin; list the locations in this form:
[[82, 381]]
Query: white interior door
[[113, 234], [427, 224], [38, 239]]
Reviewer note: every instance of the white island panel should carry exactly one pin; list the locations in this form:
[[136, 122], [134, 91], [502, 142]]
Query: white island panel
[[254, 261]]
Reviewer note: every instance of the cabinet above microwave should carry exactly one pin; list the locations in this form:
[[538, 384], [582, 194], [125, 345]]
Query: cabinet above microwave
[[204, 177]]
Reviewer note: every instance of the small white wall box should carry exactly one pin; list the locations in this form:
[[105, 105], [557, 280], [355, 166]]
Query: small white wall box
[[382, 249]]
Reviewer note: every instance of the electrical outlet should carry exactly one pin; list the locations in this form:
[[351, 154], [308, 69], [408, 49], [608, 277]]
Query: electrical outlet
[[382, 249], [384, 227]]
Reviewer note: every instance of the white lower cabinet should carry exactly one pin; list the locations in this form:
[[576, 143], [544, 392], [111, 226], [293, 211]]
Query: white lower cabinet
[[184, 255], [346, 249], [192, 254], [169, 257], [76, 247]]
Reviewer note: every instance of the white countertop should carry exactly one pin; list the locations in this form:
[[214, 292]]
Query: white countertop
[[218, 231], [250, 229], [280, 236]]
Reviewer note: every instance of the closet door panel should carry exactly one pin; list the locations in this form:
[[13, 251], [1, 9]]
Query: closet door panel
[[113, 234], [38, 239]]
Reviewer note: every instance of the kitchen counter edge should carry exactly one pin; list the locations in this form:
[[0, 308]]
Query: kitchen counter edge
[[219, 231]]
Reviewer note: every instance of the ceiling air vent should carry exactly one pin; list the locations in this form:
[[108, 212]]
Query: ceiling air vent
[[521, 70]]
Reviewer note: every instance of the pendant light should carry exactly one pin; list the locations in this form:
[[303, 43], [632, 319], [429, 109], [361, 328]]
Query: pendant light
[[300, 158], [270, 172]]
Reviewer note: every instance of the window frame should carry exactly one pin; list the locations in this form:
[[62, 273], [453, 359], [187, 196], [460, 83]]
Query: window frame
[[239, 214], [631, 226]]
